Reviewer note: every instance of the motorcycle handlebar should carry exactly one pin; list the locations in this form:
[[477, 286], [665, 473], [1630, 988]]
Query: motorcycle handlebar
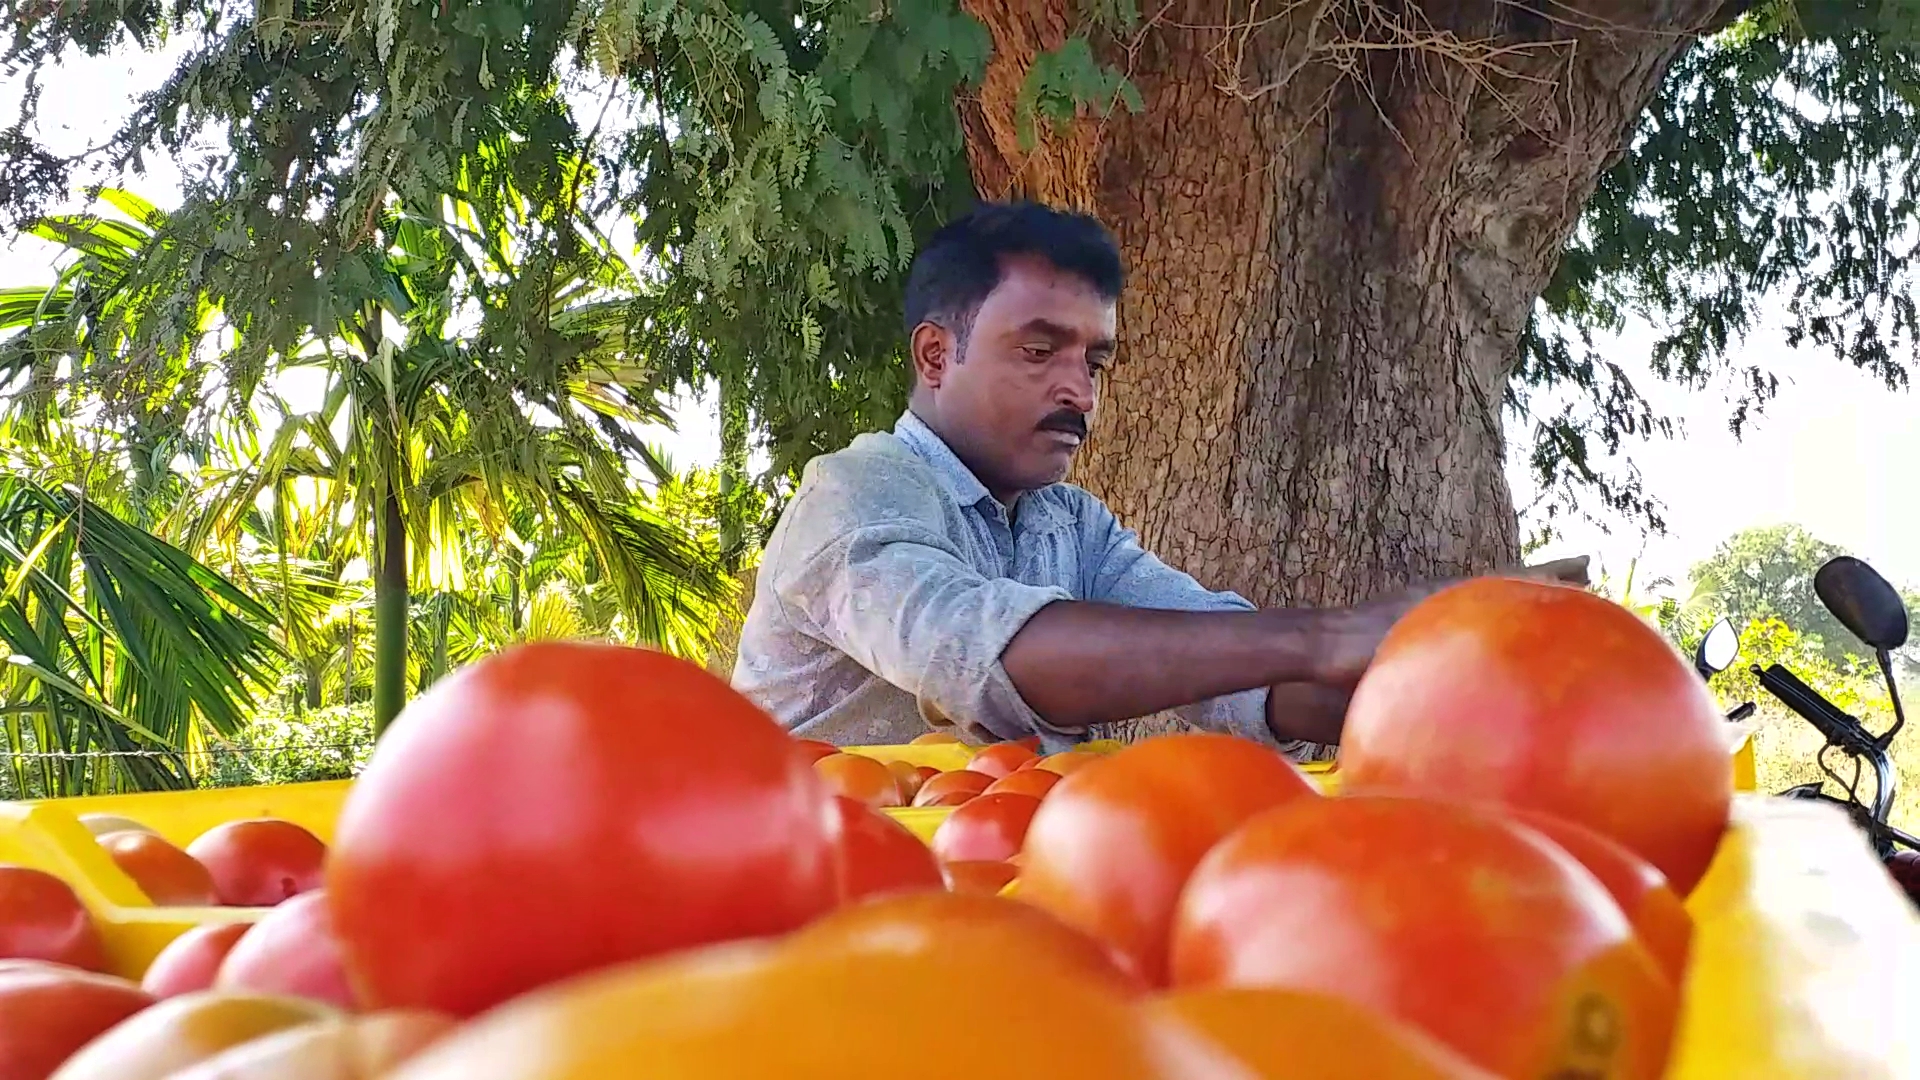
[[1841, 729]]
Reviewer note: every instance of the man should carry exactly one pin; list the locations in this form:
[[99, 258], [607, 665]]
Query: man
[[943, 573]]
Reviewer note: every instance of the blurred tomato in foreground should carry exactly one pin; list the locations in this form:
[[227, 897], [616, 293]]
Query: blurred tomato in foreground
[[983, 877], [260, 861], [163, 1039], [169, 876], [102, 824], [292, 950], [1574, 707], [343, 1048], [929, 923], [190, 961], [1298, 1035], [985, 828], [1443, 915], [959, 781], [42, 919], [562, 806], [48, 1011], [1659, 918], [875, 854], [1114, 841], [751, 1010], [859, 778]]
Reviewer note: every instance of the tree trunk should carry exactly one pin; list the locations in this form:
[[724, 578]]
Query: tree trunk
[[390, 614], [1334, 240]]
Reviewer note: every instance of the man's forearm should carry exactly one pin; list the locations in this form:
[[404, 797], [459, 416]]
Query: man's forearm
[[1079, 663]]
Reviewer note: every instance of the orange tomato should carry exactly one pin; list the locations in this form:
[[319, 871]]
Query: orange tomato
[[922, 774], [861, 779], [1550, 698], [986, 827], [169, 876], [875, 854], [907, 776], [260, 861], [1659, 918], [1114, 841], [292, 950], [1443, 915], [658, 809], [1034, 782], [190, 961], [961, 780], [1067, 762], [983, 877], [756, 1010], [1298, 1035], [932, 737], [42, 919], [951, 798], [175, 1034], [928, 923], [48, 1011], [1000, 759], [814, 749], [344, 1048]]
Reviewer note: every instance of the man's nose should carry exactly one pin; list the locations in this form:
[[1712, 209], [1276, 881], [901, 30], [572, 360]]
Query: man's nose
[[1076, 389]]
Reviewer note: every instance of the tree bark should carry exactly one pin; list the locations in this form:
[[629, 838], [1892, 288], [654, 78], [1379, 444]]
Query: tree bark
[[390, 613], [1336, 222]]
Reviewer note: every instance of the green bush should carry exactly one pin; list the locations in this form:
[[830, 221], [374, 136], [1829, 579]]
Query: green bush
[[330, 743]]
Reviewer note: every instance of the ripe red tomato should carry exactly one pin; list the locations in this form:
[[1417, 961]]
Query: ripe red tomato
[[260, 861], [946, 783], [1114, 841], [362, 1047], [1296, 1033], [1550, 698], [1000, 759], [1443, 915], [908, 777], [169, 876], [563, 806], [291, 950], [925, 923], [814, 749], [48, 1011], [1034, 782], [1659, 918], [759, 1010], [861, 779], [42, 919], [986, 827], [981, 877], [190, 961], [875, 854]]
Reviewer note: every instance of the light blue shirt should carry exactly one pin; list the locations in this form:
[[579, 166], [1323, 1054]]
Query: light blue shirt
[[894, 581]]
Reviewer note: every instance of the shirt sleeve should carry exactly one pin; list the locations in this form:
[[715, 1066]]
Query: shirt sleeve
[[1123, 572], [864, 568]]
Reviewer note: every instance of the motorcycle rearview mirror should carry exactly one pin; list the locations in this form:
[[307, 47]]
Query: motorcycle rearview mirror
[[1863, 602], [1717, 649]]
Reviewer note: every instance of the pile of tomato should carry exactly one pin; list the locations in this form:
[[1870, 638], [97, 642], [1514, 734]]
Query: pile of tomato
[[574, 860]]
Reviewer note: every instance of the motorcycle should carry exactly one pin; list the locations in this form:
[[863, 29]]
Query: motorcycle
[[1872, 611]]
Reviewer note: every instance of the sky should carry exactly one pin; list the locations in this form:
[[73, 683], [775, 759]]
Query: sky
[[1835, 452]]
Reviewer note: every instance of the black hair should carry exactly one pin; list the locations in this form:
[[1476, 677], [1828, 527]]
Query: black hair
[[961, 264]]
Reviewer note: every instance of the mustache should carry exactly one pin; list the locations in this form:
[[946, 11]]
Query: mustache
[[1066, 420]]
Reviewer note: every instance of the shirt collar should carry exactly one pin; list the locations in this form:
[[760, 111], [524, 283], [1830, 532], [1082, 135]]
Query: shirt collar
[[965, 488]]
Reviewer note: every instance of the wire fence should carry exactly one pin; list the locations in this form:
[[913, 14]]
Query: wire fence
[[47, 773]]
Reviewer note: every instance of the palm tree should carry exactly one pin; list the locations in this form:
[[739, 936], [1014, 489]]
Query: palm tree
[[469, 382]]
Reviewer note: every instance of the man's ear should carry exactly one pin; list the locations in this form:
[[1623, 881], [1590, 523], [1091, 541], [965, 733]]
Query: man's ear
[[931, 350]]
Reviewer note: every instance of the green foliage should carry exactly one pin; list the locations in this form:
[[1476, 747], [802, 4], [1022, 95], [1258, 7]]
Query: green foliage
[[331, 743], [1777, 162]]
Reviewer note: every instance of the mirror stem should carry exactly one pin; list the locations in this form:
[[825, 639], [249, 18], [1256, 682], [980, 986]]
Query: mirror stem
[[1893, 689]]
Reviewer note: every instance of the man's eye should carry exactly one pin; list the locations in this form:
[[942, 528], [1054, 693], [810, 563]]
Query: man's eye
[[1039, 352]]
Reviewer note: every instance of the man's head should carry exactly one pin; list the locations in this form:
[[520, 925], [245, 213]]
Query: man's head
[[1010, 320]]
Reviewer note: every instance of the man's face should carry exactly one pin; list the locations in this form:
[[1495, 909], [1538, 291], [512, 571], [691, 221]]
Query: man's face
[[1017, 404]]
